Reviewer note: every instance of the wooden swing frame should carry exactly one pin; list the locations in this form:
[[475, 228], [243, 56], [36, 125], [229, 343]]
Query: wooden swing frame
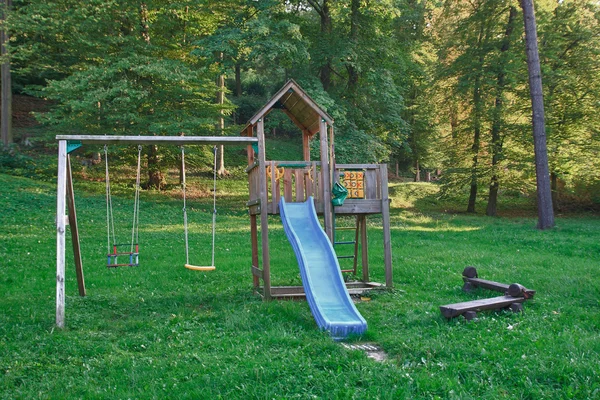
[[65, 198]]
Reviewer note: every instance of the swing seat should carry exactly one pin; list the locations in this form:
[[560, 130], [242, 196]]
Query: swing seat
[[199, 268]]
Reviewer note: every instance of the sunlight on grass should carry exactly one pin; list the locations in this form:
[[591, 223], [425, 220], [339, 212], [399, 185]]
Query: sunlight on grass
[[160, 330]]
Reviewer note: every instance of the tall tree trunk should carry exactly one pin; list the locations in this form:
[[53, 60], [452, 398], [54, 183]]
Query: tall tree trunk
[[554, 188], [6, 96], [221, 123], [544, 195], [354, 24], [326, 27], [238, 89], [477, 115], [156, 179], [496, 145], [476, 145]]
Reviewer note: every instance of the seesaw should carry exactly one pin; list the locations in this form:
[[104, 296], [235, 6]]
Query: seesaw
[[514, 295]]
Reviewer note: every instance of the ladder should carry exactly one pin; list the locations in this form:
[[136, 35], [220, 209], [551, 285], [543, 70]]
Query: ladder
[[337, 242]]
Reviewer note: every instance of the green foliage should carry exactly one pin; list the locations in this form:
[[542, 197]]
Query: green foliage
[[133, 95]]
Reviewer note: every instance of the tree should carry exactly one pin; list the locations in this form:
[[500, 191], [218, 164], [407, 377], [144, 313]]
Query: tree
[[6, 97], [498, 113], [544, 195]]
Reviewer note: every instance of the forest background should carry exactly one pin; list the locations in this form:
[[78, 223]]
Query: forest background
[[435, 88]]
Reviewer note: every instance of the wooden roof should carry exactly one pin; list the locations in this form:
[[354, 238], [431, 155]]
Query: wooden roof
[[298, 105]]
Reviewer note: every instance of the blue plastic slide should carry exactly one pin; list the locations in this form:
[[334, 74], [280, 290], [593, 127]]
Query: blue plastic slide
[[323, 283]]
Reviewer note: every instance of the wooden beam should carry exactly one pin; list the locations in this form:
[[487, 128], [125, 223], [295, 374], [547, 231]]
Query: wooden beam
[[306, 145], [494, 303], [168, 140], [326, 179], [61, 193], [264, 218], [74, 229], [385, 216]]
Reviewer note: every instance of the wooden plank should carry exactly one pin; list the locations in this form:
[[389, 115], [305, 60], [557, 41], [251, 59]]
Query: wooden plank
[[287, 185], [74, 230], [251, 167], [495, 286], [357, 166], [264, 218], [257, 274], [371, 184], [361, 220], [494, 303], [359, 206], [306, 145], [61, 193], [169, 140], [385, 217], [299, 182], [315, 181]]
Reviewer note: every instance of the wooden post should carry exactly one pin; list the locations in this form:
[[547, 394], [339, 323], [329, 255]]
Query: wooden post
[[325, 176], [385, 215], [254, 243], [362, 221], [74, 229], [264, 221], [306, 145], [60, 233]]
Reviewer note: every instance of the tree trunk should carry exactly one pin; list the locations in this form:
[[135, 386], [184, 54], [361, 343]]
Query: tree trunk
[[476, 145], [554, 189], [477, 114], [326, 28], [6, 96], [156, 178], [496, 145], [544, 195], [417, 171], [354, 24]]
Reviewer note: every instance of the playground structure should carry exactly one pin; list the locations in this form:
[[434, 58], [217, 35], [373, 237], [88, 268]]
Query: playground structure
[[298, 181], [305, 186], [65, 198]]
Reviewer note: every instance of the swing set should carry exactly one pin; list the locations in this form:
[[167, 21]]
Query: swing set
[[115, 251], [67, 216]]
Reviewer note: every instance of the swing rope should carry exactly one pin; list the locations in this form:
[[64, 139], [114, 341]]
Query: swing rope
[[109, 209], [110, 222], [136, 203], [185, 219]]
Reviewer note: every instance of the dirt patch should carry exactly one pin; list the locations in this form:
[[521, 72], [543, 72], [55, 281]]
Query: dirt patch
[[371, 350]]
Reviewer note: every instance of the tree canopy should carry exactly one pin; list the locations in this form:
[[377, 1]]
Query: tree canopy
[[435, 86]]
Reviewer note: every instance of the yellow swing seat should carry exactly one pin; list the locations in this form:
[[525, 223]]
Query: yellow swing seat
[[200, 268]]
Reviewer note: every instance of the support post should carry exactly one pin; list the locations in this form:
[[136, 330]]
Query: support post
[[325, 176], [385, 216], [60, 233], [364, 247], [74, 229], [264, 221], [306, 145], [254, 243]]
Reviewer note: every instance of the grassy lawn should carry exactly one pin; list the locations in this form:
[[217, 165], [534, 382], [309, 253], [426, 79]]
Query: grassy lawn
[[161, 331]]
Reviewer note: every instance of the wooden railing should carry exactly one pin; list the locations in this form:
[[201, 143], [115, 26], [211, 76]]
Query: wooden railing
[[297, 180]]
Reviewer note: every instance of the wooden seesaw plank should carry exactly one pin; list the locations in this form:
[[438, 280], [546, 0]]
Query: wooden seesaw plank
[[471, 279], [494, 303]]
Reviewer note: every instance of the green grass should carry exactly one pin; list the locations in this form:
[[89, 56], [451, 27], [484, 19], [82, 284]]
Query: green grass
[[161, 331]]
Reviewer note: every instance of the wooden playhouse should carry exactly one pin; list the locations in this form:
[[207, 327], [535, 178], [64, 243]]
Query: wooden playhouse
[[297, 180]]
